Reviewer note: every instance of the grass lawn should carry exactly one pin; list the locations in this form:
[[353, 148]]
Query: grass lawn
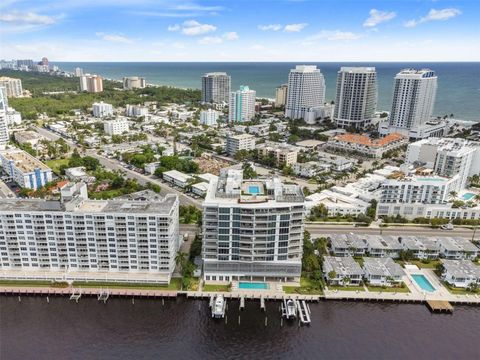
[[175, 284], [346, 288], [55, 164], [431, 264], [194, 284], [307, 287], [388, 289], [215, 287], [359, 260], [106, 194], [459, 291]]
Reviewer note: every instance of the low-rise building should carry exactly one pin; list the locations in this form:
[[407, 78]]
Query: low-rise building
[[457, 248], [336, 203], [209, 117], [285, 155], [383, 246], [236, 143], [27, 137], [364, 145], [347, 245], [382, 271], [177, 178], [116, 127], [309, 169], [24, 169], [151, 167], [342, 271], [420, 247], [136, 110], [461, 273], [200, 188], [101, 109], [79, 174]]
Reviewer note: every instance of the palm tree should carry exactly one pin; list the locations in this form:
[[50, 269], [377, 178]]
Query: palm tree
[[180, 259], [477, 197], [453, 194]]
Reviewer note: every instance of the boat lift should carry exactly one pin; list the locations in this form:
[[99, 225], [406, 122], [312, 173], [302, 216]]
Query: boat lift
[[103, 296], [76, 295]]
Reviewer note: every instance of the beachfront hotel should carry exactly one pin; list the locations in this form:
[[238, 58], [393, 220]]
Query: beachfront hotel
[[77, 239], [252, 229]]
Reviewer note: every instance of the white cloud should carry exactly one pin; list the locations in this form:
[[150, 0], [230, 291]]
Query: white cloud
[[30, 18], [17, 21], [210, 40], [178, 45], [335, 35], [295, 27], [272, 27], [257, 47], [114, 38], [232, 35], [434, 15], [175, 27], [192, 28], [378, 17]]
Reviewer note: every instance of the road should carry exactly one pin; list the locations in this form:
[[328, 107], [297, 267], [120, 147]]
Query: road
[[321, 230], [113, 164]]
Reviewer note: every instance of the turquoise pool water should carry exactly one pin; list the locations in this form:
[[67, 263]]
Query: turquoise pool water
[[254, 189], [430, 179], [468, 196], [253, 285], [423, 282]]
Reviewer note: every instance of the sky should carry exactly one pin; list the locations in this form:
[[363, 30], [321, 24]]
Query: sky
[[241, 30]]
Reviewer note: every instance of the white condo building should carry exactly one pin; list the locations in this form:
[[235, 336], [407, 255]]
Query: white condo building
[[12, 86], [241, 106], [413, 98], [306, 90], [3, 119], [91, 83], [78, 72], [136, 110], [356, 97], [101, 109], [115, 127], [239, 142], [447, 157], [133, 82], [77, 239], [209, 117], [216, 87], [24, 169], [252, 229]]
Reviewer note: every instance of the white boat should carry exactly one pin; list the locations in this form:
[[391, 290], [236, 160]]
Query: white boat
[[218, 309], [291, 312]]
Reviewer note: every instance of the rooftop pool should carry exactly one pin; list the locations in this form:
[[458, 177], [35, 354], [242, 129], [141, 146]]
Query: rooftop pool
[[423, 282], [253, 285], [254, 189]]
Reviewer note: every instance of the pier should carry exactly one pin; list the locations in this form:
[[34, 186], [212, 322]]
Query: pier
[[440, 306]]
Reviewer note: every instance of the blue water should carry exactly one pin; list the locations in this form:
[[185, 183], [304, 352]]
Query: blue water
[[253, 189], [468, 196], [422, 281], [458, 83], [253, 285]]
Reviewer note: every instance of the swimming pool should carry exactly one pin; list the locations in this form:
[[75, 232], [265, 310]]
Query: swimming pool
[[254, 189], [423, 282], [253, 285], [468, 196]]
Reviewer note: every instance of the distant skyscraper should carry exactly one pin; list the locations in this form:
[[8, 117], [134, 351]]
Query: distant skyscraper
[[26, 63], [281, 95], [306, 90], [3, 119], [215, 87], [356, 97], [133, 82], [44, 61], [413, 98], [78, 72], [241, 106], [91, 83]]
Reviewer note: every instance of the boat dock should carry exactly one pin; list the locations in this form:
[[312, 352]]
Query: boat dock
[[436, 306]]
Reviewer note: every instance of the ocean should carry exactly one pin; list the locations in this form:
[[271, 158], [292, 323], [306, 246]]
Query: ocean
[[458, 83], [183, 329]]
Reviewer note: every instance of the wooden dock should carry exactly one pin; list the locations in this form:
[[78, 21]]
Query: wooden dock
[[438, 306]]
